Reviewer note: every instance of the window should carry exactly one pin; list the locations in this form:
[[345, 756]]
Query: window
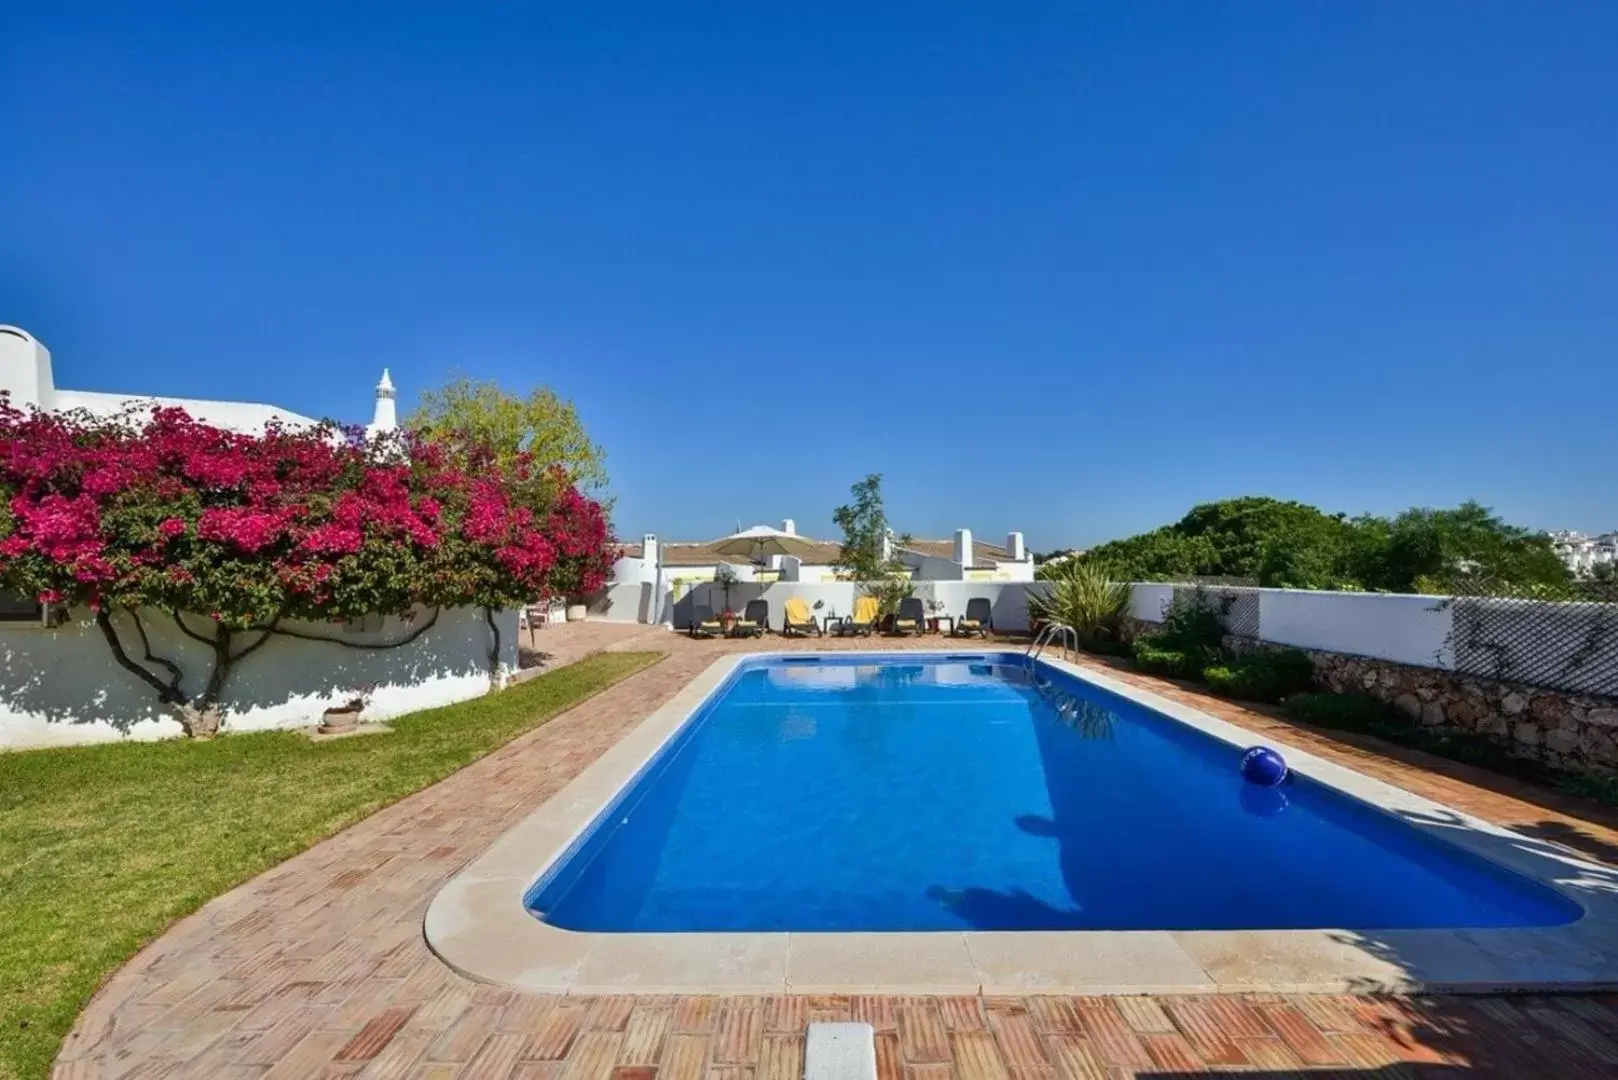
[[15, 608]]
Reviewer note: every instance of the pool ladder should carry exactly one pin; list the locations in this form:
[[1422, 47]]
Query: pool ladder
[[1050, 632]]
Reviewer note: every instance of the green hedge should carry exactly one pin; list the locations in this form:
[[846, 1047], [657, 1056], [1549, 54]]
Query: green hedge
[[1270, 675], [1156, 656], [1364, 713]]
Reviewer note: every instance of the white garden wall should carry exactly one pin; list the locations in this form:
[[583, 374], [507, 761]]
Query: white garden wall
[[61, 686], [1415, 630], [1411, 630]]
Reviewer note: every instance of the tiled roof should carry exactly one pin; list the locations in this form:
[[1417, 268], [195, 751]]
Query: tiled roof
[[701, 552], [984, 556]]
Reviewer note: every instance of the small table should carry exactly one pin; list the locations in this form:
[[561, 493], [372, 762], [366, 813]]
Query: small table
[[938, 622], [829, 621]]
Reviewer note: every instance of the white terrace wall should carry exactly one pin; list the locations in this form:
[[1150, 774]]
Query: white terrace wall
[[61, 686], [1536, 677], [1412, 630]]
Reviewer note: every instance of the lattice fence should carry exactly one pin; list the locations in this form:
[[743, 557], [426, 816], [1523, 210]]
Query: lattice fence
[[1236, 602], [1569, 645]]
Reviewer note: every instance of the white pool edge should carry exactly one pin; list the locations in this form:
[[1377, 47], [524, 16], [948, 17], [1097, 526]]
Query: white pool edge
[[477, 923]]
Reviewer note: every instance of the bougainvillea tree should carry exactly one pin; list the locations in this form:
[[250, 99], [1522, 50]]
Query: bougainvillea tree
[[236, 539]]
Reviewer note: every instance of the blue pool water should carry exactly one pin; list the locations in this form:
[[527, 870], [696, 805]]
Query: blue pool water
[[863, 793]]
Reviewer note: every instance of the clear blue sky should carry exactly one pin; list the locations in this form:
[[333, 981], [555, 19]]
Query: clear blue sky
[[1068, 268]]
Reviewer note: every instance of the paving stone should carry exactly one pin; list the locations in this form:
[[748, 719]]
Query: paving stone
[[318, 968]]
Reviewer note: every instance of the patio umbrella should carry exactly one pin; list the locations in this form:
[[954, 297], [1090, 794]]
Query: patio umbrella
[[761, 541]]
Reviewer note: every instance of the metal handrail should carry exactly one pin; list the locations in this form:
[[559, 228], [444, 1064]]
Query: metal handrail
[[1049, 633]]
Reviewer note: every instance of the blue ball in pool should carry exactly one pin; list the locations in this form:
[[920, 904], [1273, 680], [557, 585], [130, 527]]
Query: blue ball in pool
[[1263, 766]]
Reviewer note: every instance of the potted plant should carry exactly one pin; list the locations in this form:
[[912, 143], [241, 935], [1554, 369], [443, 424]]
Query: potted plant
[[344, 718], [725, 576]]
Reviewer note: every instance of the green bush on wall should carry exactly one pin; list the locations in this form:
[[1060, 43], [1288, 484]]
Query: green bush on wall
[[1157, 655], [1269, 675]]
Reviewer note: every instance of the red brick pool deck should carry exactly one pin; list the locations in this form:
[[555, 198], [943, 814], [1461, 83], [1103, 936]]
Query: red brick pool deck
[[318, 968]]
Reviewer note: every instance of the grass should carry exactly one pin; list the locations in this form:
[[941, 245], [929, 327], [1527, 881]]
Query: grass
[[103, 847]]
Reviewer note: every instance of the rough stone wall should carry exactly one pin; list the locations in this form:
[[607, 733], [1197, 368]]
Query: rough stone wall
[[1568, 731]]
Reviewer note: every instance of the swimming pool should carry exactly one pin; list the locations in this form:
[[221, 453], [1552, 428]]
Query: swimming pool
[[847, 793]]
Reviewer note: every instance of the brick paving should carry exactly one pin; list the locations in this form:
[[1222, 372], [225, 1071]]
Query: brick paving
[[318, 969]]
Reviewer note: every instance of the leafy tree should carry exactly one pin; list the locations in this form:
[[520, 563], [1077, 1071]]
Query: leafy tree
[[868, 552], [236, 539], [1470, 546], [1291, 545], [542, 428], [1270, 541]]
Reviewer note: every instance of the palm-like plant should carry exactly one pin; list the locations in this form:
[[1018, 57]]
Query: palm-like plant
[[1082, 595]]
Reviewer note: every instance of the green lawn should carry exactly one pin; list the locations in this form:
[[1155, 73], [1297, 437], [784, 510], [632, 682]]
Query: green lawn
[[103, 847]]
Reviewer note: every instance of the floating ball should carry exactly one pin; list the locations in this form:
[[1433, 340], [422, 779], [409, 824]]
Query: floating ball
[[1263, 766]]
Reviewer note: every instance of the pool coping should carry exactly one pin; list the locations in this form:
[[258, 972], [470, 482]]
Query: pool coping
[[478, 925]]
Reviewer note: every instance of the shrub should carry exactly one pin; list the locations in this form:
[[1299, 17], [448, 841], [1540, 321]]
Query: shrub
[[1263, 676], [1110, 646], [1366, 715], [233, 538], [1345, 712], [1195, 622], [1156, 655], [1086, 597]]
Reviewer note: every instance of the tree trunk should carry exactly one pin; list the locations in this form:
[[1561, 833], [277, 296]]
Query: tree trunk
[[199, 722], [496, 679]]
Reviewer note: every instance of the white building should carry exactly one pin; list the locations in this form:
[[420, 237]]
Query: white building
[[59, 683], [680, 564], [26, 374], [1583, 553]]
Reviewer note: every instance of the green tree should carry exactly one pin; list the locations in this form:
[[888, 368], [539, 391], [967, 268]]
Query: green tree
[[1270, 541], [1291, 545], [543, 426], [869, 550], [1463, 549]]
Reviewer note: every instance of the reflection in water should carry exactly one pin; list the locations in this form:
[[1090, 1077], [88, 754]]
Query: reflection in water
[[1015, 907], [797, 726], [1262, 802]]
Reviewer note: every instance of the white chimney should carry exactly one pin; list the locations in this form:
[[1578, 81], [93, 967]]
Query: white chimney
[[1014, 547], [648, 550], [386, 416], [789, 527], [963, 547], [25, 369]]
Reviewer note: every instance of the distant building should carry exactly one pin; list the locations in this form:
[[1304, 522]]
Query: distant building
[[26, 373], [693, 561], [1583, 553]]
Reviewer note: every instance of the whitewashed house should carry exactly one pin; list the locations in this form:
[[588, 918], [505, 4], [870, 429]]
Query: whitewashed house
[[691, 562], [1583, 553]]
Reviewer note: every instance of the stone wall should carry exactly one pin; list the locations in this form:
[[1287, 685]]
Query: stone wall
[[1567, 731]]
